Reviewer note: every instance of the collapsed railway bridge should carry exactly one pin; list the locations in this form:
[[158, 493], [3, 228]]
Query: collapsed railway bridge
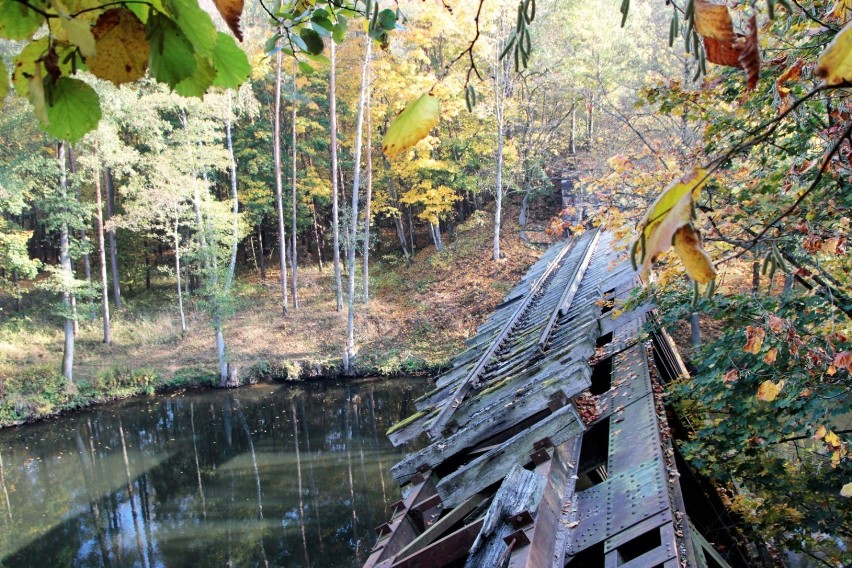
[[549, 443]]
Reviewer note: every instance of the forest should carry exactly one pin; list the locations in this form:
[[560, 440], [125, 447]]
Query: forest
[[211, 194]]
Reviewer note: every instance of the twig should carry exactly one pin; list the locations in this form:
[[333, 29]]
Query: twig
[[469, 51]]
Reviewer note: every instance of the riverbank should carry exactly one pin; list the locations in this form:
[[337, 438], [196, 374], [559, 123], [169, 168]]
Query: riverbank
[[418, 316]]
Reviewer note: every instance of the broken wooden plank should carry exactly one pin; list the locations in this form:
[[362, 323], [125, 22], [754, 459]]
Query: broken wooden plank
[[489, 468]]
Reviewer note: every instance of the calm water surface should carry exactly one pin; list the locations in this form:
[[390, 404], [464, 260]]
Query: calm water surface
[[268, 475]]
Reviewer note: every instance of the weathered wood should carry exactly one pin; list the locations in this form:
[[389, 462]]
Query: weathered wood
[[445, 551], [489, 468], [502, 416], [440, 526], [437, 425], [520, 491]]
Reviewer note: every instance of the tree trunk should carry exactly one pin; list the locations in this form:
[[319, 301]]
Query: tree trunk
[[67, 276], [435, 229], [522, 216], [368, 204], [335, 214], [316, 236], [590, 123], [573, 140], [235, 236], [499, 108], [293, 255], [102, 254], [755, 274], [279, 201], [695, 330], [84, 239], [260, 250], [349, 358], [177, 273], [113, 248]]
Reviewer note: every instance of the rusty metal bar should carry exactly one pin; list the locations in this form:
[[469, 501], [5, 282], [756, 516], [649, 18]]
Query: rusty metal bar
[[564, 303], [455, 400]]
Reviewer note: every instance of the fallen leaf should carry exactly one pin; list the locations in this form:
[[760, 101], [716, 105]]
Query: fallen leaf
[[731, 376], [776, 324], [411, 125], [846, 490], [832, 439], [820, 433]]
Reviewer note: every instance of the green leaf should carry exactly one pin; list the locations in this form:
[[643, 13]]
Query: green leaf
[[171, 58], [339, 31], [17, 21], [143, 10], [323, 27], [4, 83], [195, 23], [312, 40], [36, 96], [298, 42], [25, 65], [323, 59], [387, 19], [305, 67], [231, 63], [74, 109], [197, 84], [411, 125]]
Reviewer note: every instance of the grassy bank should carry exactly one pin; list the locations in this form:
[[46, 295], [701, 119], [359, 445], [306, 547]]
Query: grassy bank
[[418, 316]]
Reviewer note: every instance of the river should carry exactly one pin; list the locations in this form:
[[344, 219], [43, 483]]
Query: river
[[267, 475]]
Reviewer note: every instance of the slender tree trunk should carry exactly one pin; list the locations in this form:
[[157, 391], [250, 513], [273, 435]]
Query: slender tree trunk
[[369, 202], [177, 272], [316, 236], [573, 139], [67, 276], [260, 249], [499, 107], [113, 248], [87, 265], [335, 214], [102, 254], [279, 200], [590, 123], [411, 230], [235, 236], [349, 357], [435, 229], [294, 195]]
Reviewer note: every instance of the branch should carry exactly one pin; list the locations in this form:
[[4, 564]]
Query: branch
[[469, 50]]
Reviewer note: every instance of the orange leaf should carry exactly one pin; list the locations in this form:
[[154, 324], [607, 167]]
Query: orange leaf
[[820, 433], [843, 360], [754, 339], [231, 11], [731, 376], [776, 324], [687, 244], [770, 356], [712, 20]]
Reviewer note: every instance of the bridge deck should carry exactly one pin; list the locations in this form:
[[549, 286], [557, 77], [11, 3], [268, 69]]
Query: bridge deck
[[549, 442]]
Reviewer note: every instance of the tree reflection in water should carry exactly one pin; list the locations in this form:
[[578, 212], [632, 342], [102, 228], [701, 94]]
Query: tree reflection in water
[[152, 483]]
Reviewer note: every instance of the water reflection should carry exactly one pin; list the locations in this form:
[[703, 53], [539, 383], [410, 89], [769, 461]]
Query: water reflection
[[262, 476]]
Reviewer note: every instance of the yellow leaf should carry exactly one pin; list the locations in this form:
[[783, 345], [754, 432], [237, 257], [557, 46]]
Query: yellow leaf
[[820, 433], [231, 11], [835, 63], [670, 211], [36, 95], [832, 439], [122, 47], [713, 20], [768, 391], [411, 125], [835, 459], [846, 490], [696, 262], [754, 339]]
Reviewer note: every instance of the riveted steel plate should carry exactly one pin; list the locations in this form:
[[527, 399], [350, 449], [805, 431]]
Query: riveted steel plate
[[617, 504]]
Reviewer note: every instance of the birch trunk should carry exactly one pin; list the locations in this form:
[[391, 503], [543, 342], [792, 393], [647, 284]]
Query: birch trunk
[[102, 256], [368, 204], [349, 358], [335, 213], [177, 273], [295, 264], [113, 248], [67, 276], [279, 201], [235, 237], [499, 110]]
